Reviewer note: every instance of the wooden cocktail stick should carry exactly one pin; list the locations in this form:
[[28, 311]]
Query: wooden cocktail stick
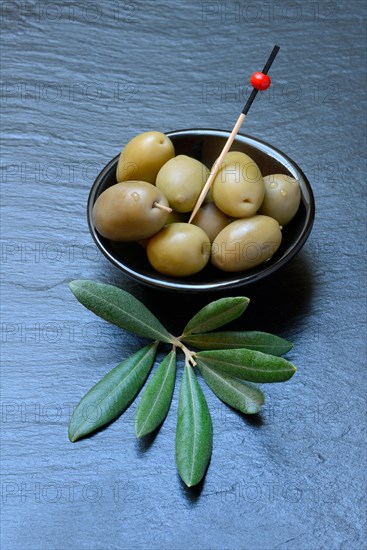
[[217, 165], [162, 206], [260, 81]]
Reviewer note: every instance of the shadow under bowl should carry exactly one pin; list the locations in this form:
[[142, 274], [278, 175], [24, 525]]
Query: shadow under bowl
[[206, 145]]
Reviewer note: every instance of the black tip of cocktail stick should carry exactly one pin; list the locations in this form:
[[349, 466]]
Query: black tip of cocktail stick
[[269, 62], [265, 70], [250, 101]]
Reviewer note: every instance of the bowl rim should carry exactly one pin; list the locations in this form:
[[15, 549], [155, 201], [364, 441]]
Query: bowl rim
[[236, 280]]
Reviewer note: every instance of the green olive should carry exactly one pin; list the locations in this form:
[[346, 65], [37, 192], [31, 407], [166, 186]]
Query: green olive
[[282, 197], [142, 158], [238, 188], [179, 250], [211, 220], [208, 196], [246, 243], [129, 211], [181, 179]]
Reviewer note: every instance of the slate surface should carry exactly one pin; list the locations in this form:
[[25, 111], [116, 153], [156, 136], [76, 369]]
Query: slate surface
[[79, 80]]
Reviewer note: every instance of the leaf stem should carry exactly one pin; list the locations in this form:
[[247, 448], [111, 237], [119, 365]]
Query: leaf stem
[[189, 355]]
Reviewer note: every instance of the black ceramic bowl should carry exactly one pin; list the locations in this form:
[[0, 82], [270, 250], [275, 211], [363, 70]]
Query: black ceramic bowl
[[206, 145]]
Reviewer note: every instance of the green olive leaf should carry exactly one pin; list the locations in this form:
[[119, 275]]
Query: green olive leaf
[[253, 366], [216, 314], [119, 308], [111, 396], [244, 396], [256, 340], [194, 432], [156, 400]]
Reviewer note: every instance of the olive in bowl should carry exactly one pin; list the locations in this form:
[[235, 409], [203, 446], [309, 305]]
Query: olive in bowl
[[205, 145]]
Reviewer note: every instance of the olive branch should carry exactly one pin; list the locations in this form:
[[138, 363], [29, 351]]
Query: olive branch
[[231, 364]]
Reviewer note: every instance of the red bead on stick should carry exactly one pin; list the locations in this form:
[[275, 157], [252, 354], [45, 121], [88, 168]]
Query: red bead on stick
[[260, 81]]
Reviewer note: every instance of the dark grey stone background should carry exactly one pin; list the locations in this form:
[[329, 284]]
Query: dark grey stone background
[[79, 80]]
